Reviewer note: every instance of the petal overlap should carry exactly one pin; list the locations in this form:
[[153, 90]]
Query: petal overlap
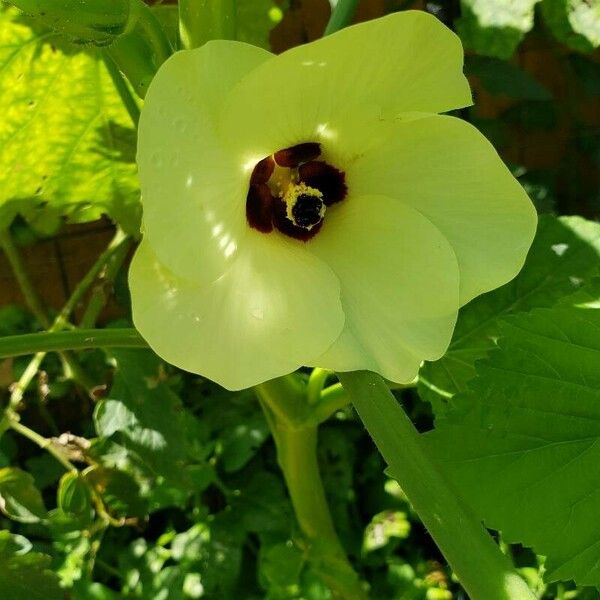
[[447, 170], [404, 62], [400, 280], [274, 308]]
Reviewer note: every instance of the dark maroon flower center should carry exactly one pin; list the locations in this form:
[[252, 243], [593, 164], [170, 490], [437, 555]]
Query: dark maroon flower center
[[290, 191]]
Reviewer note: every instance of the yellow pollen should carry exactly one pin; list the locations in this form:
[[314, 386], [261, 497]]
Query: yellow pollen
[[293, 192]]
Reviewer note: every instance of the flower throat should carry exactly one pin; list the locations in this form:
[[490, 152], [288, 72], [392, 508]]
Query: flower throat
[[291, 190]]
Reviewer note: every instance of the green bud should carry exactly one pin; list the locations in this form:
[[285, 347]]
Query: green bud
[[74, 496], [96, 22]]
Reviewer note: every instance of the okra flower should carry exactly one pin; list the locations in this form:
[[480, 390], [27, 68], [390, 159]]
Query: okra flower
[[312, 208]]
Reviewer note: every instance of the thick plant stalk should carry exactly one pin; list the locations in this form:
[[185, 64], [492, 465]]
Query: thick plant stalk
[[484, 572], [295, 434]]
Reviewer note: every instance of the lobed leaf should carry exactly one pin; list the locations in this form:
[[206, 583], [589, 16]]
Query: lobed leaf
[[563, 258], [523, 444]]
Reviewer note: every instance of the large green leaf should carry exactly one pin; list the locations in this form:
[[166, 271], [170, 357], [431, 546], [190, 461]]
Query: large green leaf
[[143, 415], [564, 256], [25, 575], [66, 143], [523, 445], [575, 23], [495, 27]]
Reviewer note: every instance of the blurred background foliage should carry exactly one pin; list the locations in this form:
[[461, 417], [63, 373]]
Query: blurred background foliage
[[177, 492]]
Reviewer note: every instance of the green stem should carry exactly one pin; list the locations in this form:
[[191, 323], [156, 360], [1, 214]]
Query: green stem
[[484, 572], [141, 51], [117, 247], [129, 102], [332, 399], [296, 442], [33, 301], [316, 382], [76, 339], [42, 442], [100, 292], [204, 20], [341, 16]]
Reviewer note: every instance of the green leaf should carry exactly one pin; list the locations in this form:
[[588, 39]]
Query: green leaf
[[25, 575], [143, 415], [502, 78], [563, 257], [254, 21], [84, 21], [74, 494], [523, 445], [280, 567], [19, 498], [118, 491], [575, 23], [494, 27], [64, 131], [242, 442]]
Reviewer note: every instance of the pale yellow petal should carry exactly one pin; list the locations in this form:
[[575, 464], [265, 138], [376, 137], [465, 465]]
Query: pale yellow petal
[[193, 194], [407, 61], [275, 309], [447, 170], [399, 279]]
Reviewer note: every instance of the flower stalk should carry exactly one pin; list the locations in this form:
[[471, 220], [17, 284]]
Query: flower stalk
[[294, 430], [484, 572]]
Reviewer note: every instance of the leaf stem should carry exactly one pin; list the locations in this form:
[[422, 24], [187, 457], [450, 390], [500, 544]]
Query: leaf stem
[[129, 102], [33, 301], [296, 441], [341, 15], [76, 339], [204, 20], [485, 573], [44, 443], [117, 247]]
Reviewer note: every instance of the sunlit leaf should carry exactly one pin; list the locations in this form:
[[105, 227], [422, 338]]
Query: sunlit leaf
[[494, 27], [575, 23], [523, 445], [66, 141]]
